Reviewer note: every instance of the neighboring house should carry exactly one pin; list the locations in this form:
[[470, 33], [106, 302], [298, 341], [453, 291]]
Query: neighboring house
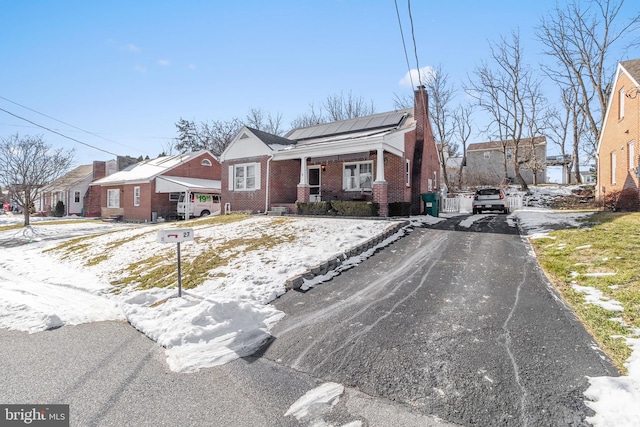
[[384, 158], [151, 188], [617, 152], [71, 189], [485, 162]]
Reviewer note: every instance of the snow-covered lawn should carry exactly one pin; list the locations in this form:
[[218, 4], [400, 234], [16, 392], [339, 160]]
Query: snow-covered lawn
[[227, 315]]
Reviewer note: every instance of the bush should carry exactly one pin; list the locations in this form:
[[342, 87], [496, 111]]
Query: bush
[[625, 200], [338, 208], [313, 208], [59, 209], [400, 209], [349, 208]]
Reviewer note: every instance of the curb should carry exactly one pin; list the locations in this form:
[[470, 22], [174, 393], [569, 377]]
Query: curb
[[296, 282]]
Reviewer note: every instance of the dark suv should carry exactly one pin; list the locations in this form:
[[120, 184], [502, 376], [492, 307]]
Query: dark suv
[[490, 199]]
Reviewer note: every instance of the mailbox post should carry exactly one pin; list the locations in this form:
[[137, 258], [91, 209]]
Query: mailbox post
[[176, 235]]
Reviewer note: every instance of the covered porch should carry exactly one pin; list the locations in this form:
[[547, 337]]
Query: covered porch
[[349, 170]]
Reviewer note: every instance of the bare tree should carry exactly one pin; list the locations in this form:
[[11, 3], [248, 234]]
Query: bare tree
[[214, 135], [580, 37], [264, 121], [339, 107], [440, 98], [462, 130], [27, 164], [510, 94], [334, 108]]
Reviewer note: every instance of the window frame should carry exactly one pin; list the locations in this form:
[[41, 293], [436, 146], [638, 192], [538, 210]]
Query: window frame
[[357, 178], [76, 197], [621, 104], [111, 198], [240, 183], [614, 165], [408, 173], [631, 154], [136, 195]]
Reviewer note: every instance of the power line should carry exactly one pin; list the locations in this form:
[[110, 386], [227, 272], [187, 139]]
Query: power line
[[415, 47], [58, 133], [67, 124], [404, 44]]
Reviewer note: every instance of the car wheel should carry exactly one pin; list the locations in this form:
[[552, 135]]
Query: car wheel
[[204, 213]]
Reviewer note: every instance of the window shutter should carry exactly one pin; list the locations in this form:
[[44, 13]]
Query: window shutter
[[258, 176], [231, 178]]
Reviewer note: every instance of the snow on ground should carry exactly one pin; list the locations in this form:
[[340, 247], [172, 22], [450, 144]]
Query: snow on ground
[[228, 316]]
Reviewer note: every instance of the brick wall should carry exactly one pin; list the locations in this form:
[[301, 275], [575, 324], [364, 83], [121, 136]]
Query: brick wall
[[285, 176], [194, 168], [618, 132], [252, 200]]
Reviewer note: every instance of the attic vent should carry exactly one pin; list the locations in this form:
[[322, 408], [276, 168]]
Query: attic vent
[[243, 136]]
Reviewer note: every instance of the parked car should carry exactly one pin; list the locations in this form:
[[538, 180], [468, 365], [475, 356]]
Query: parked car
[[490, 199]]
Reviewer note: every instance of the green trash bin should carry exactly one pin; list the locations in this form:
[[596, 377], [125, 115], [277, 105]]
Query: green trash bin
[[431, 203]]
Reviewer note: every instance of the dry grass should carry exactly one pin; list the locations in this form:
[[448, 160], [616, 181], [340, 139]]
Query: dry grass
[[610, 245]]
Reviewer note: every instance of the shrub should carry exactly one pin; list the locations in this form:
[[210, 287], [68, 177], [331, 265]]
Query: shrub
[[625, 200], [59, 209], [313, 208], [351, 208]]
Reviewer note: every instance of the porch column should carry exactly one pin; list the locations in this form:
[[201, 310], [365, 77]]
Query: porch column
[[303, 185], [381, 196], [380, 166], [303, 172]]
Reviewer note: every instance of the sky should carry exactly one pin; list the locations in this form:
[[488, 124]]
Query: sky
[[229, 315], [118, 75]]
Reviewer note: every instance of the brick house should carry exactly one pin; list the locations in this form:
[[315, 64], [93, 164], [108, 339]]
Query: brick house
[[150, 189], [72, 188], [383, 158], [616, 153], [485, 161]]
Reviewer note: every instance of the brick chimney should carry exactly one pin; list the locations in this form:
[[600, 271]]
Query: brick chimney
[[421, 116]]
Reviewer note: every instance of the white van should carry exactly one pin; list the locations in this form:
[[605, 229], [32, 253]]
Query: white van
[[201, 204]]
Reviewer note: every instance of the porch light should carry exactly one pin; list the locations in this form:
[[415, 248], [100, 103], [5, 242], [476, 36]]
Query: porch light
[[323, 167]]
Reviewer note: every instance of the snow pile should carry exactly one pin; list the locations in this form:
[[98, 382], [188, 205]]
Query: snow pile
[[615, 399], [317, 401]]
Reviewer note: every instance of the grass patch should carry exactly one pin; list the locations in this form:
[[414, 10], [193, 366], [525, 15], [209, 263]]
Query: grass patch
[[199, 260], [609, 245]]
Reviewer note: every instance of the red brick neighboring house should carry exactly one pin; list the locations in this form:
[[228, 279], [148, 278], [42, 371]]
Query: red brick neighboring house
[[72, 188], [385, 158], [148, 190], [617, 153]]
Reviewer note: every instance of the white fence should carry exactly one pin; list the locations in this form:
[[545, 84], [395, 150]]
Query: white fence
[[463, 203]]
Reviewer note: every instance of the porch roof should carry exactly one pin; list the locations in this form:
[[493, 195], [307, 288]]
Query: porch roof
[[353, 143], [179, 184]]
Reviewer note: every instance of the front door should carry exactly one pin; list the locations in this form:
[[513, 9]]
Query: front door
[[314, 183]]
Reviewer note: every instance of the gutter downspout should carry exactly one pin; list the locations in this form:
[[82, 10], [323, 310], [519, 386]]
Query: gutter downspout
[[266, 198]]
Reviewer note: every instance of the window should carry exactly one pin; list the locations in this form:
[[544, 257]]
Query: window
[[408, 173], [136, 196], [205, 162], [357, 176], [621, 104], [76, 196], [509, 153], [113, 198], [630, 155], [487, 155], [174, 197], [244, 177], [613, 168]]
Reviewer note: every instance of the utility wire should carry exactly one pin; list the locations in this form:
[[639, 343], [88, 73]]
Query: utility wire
[[415, 47], [58, 133], [67, 124], [404, 44]]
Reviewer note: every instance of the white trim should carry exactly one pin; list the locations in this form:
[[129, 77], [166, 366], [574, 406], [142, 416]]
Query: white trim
[[136, 196], [355, 179], [111, 199]]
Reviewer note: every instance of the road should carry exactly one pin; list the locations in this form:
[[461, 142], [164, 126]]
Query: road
[[457, 322], [448, 325]]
